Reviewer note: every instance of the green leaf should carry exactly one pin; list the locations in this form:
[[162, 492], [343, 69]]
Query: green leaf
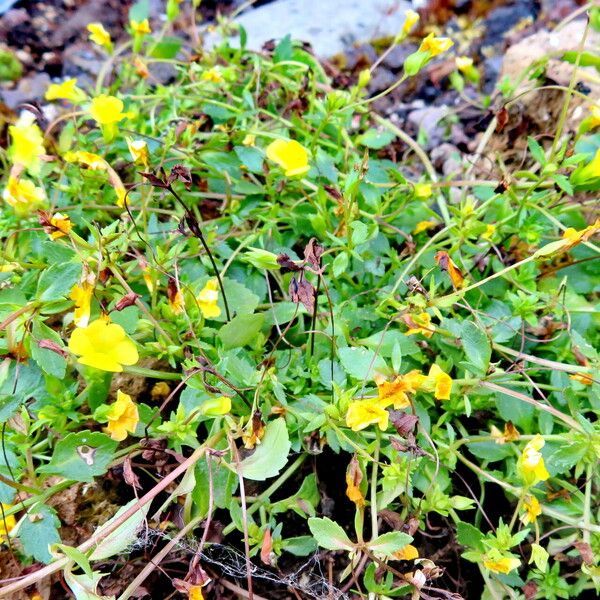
[[283, 50], [302, 545], [39, 530], [375, 139], [468, 535], [242, 301], [539, 556], [536, 151], [82, 456], [57, 280], [391, 542], [340, 264], [117, 541], [271, 456], [139, 11], [168, 47], [78, 557], [241, 330], [476, 346], [329, 534], [50, 361], [22, 382], [85, 587], [360, 363], [251, 158]]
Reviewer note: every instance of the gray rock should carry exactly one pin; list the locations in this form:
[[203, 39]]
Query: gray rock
[[330, 26], [428, 120], [29, 89]]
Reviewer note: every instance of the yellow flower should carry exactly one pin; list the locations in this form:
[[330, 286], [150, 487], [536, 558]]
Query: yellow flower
[[591, 170], [396, 392], [89, 159], [409, 552], [207, 299], [532, 508], [489, 232], [595, 115], [420, 323], [440, 382], [7, 523], [195, 593], [67, 90], [103, 345], [574, 237], [584, 378], [362, 413], [215, 407], [531, 463], [423, 226], [435, 45], [27, 144], [23, 195], [123, 417], [99, 35], [463, 63], [140, 27], [138, 150], [60, 226], [249, 140], [107, 110], [411, 18], [212, 75], [498, 563], [291, 156], [82, 294], [422, 190]]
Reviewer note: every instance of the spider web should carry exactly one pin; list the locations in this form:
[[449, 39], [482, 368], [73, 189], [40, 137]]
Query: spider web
[[307, 579]]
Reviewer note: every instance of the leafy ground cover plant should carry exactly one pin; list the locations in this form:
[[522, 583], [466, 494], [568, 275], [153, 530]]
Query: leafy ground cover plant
[[241, 332]]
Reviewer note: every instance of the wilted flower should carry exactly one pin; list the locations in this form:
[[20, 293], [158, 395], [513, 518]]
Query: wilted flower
[[362, 413], [532, 508], [103, 345], [27, 145], [99, 35], [419, 323], [249, 140], [123, 417], [207, 299], [584, 378], [531, 463], [141, 68], [510, 433], [354, 476], [291, 156], [574, 237], [423, 190], [60, 225], [67, 90], [23, 195], [445, 263]]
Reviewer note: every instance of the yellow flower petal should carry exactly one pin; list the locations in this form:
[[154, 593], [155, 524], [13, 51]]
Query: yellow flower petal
[[99, 35], [362, 413], [107, 110], [103, 345], [27, 143], [23, 195], [214, 407], [207, 299], [435, 45], [123, 417], [67, 90], [411, 18], [409, 552], [291, 156]]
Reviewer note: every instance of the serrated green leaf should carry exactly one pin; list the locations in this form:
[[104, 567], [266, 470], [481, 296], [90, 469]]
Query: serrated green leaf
[[391, 542], [241, 330]]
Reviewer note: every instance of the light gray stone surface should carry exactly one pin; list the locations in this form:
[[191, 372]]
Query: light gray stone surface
[[329, 25]]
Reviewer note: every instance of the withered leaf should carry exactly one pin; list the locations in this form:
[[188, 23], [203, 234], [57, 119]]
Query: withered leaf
[[501, 119], [154, 180], [130, 477], [445, 263], [313, 252], [50, 345], [303, 291], [127, 300], [266, 549], [286, 263], [180, 173], [333, 192], [586, 552], [404, 423]]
